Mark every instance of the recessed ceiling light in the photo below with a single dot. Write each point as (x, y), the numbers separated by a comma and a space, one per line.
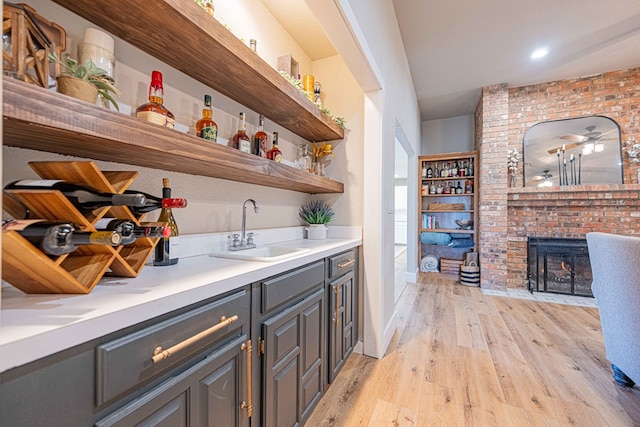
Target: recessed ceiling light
(539, 53)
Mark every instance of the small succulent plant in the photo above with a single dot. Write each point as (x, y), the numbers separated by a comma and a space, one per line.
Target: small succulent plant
(316, 212)
(89, 72)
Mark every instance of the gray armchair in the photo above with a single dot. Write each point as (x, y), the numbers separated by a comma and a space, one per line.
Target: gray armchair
(615, 264)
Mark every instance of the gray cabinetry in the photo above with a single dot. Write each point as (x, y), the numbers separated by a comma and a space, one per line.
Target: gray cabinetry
(112, 381)
(292, 328)
(342, 292)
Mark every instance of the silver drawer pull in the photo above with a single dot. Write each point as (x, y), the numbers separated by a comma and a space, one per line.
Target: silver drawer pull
(160, 354)
(347, 264)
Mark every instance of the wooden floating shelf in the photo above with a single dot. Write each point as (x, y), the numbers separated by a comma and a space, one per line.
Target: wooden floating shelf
(208, 52)
(43, 120)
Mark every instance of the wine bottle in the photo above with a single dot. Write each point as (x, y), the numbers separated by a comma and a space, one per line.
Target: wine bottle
(86, 199)
(260, 140)
(152, 203)
(166, 251)
(240, 140)
(59, 238)
(129, 230)
(206, 128)
(274, 153)
(154, 111)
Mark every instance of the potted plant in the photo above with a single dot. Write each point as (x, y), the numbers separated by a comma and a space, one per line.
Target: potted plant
(317, 214)
(84, 81)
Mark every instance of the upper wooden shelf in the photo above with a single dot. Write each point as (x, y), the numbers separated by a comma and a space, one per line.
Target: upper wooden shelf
(43, 120)
(181, 34)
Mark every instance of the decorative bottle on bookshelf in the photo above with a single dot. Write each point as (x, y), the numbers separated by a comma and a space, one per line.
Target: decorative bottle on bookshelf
(429, 172)
(424, 169)
(59, 238)
(154, 111)
(274, 153)
(240, 140)
(129, 231)
(206, 128)
(85, 199)
(260, 140)
(166, 251)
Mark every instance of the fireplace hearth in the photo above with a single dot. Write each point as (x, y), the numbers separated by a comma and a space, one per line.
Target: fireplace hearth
(559, 265)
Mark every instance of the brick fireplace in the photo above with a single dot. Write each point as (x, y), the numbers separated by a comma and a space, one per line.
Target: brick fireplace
(508, 216)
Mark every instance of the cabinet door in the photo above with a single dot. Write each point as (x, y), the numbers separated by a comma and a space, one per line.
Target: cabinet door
(341, 333)
(209, 393)
(292, 363)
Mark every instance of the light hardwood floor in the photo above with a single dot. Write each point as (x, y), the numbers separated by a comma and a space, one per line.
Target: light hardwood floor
(461, 358)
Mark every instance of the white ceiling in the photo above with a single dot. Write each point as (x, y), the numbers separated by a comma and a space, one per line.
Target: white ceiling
(456, 47)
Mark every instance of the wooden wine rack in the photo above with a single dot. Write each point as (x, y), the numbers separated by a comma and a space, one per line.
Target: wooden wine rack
(30, 270)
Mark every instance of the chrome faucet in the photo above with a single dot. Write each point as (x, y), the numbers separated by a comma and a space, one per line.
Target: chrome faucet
(244, 240)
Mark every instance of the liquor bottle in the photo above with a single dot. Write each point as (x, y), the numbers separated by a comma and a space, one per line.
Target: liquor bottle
(459, 189)
(154, 111)
(129, 230)
(468, 186)
(429, 171)
(454, 169)
(444, 173)
(85, 199)
(206, 128)
(424, 169)
(447, 188)
(166, 251)
(275, 154)
(59, 238)
(260, 140)
(470, 168)
(436, 172)
(240, 140)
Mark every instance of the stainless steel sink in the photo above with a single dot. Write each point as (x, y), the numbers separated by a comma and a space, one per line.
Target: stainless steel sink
(264, 253)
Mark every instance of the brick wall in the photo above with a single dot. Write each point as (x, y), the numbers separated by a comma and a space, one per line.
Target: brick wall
(507, 219)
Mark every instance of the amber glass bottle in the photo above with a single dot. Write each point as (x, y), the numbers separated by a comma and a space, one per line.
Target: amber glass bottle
(260, 140)
(154, 111)
(205, 127)
(275, 154)
(240, 140)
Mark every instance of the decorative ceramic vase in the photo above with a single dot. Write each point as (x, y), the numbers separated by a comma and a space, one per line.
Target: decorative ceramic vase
(78, 88)
(316, 232)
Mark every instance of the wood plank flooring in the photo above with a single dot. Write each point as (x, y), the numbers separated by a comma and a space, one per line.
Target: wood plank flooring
(461, 358)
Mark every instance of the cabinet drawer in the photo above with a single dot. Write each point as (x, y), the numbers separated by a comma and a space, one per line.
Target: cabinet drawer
(341, 263)
(289, 286)
(125, 363)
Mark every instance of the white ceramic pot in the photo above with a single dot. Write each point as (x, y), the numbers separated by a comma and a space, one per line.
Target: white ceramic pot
(316, 231)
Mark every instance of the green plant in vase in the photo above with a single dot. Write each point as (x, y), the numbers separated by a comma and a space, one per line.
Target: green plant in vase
(317, 214)
(89, 73)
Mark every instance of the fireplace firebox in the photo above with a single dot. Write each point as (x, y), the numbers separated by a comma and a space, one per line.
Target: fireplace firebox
(559, 266)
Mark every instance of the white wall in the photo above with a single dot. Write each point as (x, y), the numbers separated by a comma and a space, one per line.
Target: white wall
(374, 27)
(447, 135)
(214, 204)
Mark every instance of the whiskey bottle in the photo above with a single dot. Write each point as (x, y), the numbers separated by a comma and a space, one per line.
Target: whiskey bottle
(275, 154)
(59, 238)
(424, 169)
(429, 171)
(260, 140)
(154, 111)
(166, 250)
(206, 128)
(240, 140)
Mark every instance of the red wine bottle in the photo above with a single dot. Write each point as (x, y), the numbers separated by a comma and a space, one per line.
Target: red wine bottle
(152, 203)
(129, 230)
(84, 198)
(166, 251)
(59, 238)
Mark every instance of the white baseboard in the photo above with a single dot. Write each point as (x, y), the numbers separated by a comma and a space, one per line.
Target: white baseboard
(412, 277)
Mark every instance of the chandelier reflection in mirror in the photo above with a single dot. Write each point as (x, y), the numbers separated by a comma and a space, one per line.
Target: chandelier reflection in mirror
(579, 151)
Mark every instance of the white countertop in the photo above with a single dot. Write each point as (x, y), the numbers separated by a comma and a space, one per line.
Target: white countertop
(35, 326)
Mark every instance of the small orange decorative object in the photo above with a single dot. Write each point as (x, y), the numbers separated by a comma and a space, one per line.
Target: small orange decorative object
(28, 39)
